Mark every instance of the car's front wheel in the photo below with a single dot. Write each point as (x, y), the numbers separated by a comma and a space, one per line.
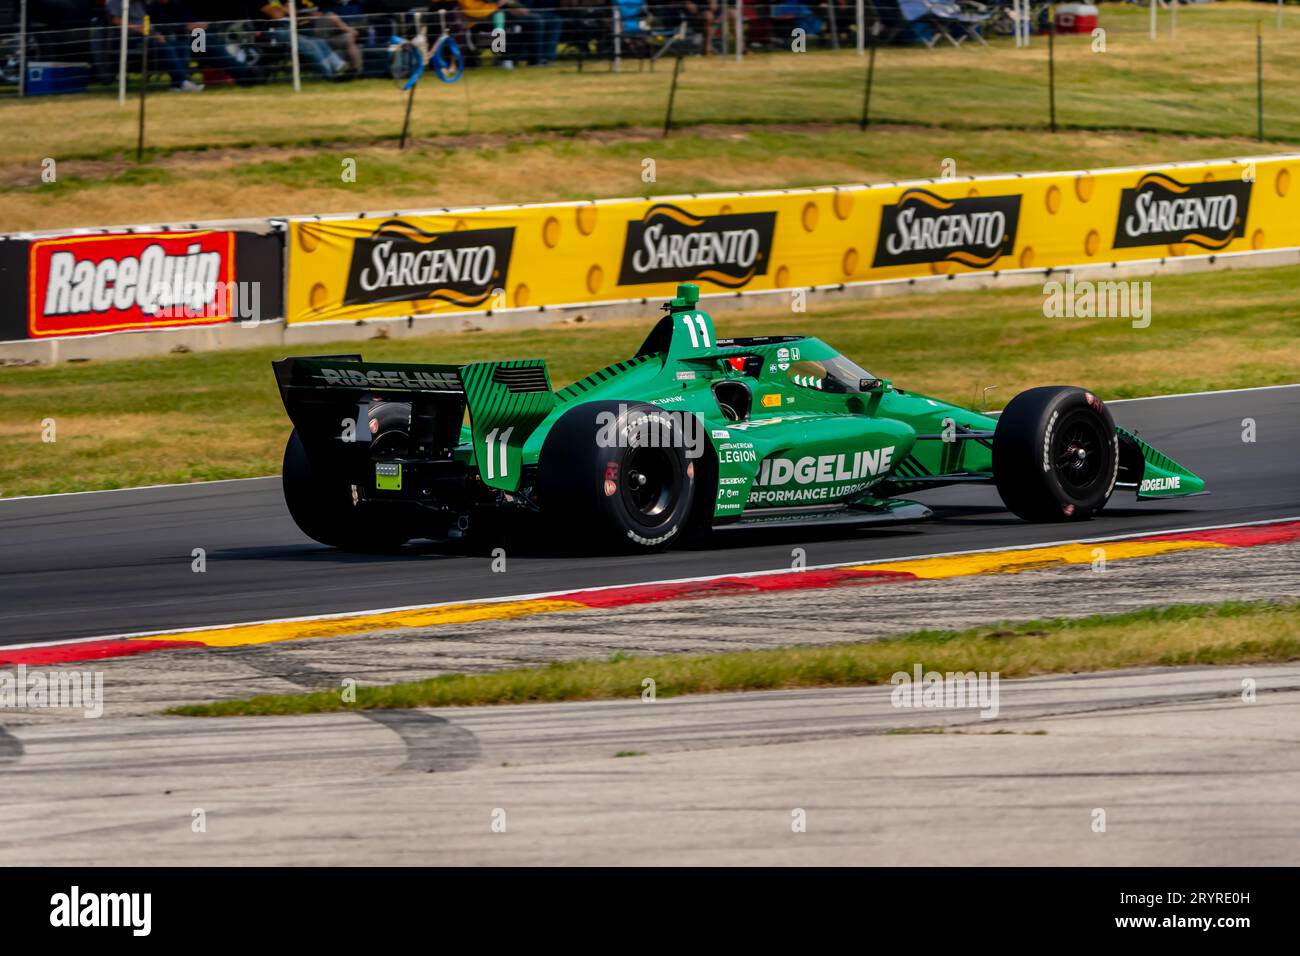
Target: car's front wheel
(617, 474)
(1055, 454)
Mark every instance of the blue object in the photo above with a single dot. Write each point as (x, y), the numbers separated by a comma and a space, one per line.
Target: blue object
(46, 78)
(445, 53)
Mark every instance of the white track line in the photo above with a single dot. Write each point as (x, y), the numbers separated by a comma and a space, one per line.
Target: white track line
(1221, 391)
(543, 595)
(219, 481)
(113, 491)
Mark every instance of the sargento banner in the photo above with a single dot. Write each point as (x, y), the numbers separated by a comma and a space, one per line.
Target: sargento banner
(117, 281)
(1160, 209)
(923, 227)
(399, 262)
(669, 244)
(525, 257)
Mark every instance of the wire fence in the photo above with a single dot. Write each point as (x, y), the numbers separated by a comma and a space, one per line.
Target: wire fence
(337, 42)
(937, 64)
(335, 46)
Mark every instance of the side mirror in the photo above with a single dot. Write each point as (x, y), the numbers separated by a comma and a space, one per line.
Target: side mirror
(873, 384)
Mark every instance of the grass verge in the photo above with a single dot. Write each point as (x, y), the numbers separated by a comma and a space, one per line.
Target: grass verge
(1229, 633)
(195, 417)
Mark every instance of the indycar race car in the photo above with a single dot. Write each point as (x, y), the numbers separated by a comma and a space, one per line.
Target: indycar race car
(691, 433)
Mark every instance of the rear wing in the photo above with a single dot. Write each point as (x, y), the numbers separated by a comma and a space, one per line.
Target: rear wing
(328, 399)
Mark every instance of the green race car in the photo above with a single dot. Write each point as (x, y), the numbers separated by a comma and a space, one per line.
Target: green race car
(691, 433)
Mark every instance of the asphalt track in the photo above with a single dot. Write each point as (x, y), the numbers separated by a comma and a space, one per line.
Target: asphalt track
(118, 562)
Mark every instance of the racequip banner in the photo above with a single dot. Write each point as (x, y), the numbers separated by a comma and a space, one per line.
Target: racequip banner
(519, 257)
(117, 281)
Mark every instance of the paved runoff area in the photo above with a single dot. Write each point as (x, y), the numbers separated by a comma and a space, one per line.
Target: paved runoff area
(1155, 767)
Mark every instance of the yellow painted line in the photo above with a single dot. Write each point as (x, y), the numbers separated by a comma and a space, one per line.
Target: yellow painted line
(998, 562)
(357, 624)
(1013, 562)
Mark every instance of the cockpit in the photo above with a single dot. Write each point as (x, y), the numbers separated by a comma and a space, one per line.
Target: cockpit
(837, 375)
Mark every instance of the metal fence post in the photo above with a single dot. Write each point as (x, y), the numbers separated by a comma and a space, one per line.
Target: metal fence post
(866, 93)
(293, 45)
(740, 30)
(121, 56)
(1051, 72)
(22, 49)
(862, 28)
(1153, 19)
(144, 81)
(1259, 84)
(672, 95)
(617, 65)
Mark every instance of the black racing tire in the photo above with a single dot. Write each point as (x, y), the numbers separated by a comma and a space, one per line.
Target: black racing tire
(323, 509)
(621, 494)
(1055, 454)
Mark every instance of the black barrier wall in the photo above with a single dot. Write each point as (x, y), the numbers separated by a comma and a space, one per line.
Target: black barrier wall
(133, 279)
(13, 289)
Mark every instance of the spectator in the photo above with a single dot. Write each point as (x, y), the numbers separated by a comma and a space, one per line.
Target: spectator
(545, 28)
(698, 15)
(60, 14)
(328, 63)
(798, 15)
(172, 56)
(327, 25)
(583, 23)
(181, 18)
(540, 28)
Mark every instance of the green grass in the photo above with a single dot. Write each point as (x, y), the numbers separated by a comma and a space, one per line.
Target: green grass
(1229, 633)
(202, 416)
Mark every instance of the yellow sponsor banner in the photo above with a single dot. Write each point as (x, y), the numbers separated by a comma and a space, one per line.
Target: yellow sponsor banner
(520, 257)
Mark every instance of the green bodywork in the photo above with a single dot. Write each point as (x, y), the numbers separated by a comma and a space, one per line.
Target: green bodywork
(807, 444)
(821, 447)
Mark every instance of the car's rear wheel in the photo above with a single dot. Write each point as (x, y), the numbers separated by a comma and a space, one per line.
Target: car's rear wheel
(600, 479)
(324, 507)
(1055, 454)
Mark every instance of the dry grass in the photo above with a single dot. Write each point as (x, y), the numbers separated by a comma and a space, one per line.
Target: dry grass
(265, 151)
(294, 181)
(1236, 633)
